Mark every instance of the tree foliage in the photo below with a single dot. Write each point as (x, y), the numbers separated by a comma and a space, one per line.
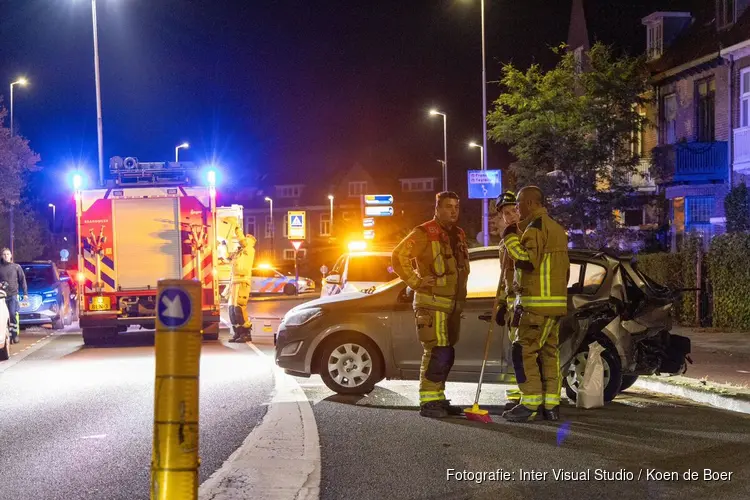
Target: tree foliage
(16, 161)
(32, 233)
(737, 209)
(577, 125)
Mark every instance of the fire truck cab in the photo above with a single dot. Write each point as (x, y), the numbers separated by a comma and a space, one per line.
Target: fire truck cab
(152, 221)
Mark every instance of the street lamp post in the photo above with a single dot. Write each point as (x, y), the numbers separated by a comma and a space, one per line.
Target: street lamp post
(184, 145)
(330, 227)
(97, 78)
(485, 202)
(22, 82)
(273, 230)
(481, 153)
(434, 112)
(54, 210)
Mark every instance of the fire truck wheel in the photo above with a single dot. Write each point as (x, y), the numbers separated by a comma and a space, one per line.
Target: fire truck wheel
(95, 336)
(210, 336)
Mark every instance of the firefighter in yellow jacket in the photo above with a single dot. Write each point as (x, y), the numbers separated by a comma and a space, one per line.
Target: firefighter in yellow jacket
(542, 267)
(239, 287)
(506, 207)
(439, 281)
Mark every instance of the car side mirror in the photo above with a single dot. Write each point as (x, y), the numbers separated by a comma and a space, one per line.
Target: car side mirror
(333, 280)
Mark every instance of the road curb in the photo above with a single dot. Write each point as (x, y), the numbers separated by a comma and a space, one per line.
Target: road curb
(280, 459)
(711, 398)
(17, 357)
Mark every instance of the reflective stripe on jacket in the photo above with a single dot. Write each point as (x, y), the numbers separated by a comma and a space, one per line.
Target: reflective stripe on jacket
(429, 245)
(542, 265)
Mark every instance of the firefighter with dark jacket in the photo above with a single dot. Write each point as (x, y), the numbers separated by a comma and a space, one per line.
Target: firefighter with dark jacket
(12, 274)
(542, 266)
(506, 207)
(441, 254)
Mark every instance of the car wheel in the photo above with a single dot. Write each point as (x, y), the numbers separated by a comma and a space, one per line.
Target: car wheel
(350, 364)
(612, 373)
(69, 317)
(627, 382)
(58, 323)
(5, 351)
(289, 289)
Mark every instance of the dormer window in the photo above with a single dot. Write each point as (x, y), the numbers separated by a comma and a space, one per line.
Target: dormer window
(655, 39)
(290, 191)
(725, 13)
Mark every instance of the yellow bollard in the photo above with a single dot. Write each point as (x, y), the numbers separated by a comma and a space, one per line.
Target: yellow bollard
(174, 460)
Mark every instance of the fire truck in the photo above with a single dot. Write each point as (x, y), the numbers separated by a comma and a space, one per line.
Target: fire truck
(152, 221)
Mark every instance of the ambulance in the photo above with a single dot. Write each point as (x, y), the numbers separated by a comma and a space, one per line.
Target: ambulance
(152, 221)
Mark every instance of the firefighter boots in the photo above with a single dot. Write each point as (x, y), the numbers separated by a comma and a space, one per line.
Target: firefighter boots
(520, 413)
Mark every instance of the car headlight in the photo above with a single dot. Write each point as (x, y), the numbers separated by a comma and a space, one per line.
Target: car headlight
(48, 295)
(297, 318)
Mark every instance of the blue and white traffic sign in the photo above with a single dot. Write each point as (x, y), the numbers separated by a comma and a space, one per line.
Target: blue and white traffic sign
(296, 221)
(64, 254)
(378, 211)
(485, 184)
(174, 307)
(296, 225)
(379, 199)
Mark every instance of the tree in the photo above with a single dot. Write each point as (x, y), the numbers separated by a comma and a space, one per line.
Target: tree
(16, 161)
(32, 233)
(572, 132)
(737, 209)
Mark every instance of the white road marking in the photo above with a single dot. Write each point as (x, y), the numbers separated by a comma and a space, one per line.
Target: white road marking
(96, 436)
(280, 459)
(16, 357)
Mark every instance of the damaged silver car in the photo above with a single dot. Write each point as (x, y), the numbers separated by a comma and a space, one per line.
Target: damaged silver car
(355, 340)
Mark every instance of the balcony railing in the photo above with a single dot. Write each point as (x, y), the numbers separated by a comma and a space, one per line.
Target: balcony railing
(701, 162)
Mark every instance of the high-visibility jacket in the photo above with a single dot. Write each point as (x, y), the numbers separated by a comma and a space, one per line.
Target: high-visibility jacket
(430, 246)
(542, 265)
(243, 260)
(505, 289)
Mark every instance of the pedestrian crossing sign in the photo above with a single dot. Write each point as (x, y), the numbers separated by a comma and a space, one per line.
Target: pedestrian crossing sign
(296, 225)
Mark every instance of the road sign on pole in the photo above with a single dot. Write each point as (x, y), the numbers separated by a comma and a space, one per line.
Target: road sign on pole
(296, 244)
(368, 222)
(64, 254)
(378, 211)
(296, 225)
(485, 184)
(369, 234)
(379, 199)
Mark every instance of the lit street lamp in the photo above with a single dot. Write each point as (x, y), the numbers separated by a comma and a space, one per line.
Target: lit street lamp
(435, 112)
(22, 82)
(184, 145)
(481, 153)
(97, 82)
(330, 227)
(273, 232)
(485, 202)
(54, 210)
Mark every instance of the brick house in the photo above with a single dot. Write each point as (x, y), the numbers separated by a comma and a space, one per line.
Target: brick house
(328, 238)
(698, 61)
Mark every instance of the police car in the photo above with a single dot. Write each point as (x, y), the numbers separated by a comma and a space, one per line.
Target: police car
(267, 280)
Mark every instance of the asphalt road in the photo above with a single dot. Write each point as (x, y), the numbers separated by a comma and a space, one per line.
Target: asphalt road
(76, 422)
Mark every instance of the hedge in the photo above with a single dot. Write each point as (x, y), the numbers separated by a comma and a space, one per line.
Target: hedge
(729, 274)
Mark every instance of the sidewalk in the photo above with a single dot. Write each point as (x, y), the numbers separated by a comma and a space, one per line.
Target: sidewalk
(720, 373)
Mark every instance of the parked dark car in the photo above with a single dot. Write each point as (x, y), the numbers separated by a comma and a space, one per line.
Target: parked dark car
(355, 340)
(49, 296)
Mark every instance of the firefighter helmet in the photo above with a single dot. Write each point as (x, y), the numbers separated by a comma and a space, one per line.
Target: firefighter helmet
(507, 198)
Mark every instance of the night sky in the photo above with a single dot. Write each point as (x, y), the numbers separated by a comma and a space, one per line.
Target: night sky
(262, 86)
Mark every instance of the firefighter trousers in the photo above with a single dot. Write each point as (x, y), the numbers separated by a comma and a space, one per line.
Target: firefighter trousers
(239, 294)
(438, 332)
(536, 360)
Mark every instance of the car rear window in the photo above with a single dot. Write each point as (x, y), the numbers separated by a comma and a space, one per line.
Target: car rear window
(370, 269)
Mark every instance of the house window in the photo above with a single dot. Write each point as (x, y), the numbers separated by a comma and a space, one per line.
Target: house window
(357, 188)
(578, 58)
(654, 40)
(699, 209)
(288, 191)
(725, 13)
(269, 227)
(745, 98)
(417, 185)
(289, 254)
(325, 224)
(285, 227)
(706, 90)
(669, 119)
(639, 134)
(250, 229)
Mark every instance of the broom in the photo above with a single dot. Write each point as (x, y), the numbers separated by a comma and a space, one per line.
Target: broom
(476, 413)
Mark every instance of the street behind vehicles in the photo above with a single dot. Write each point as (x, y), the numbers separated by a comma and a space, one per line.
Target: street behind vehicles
(154, 221)
(268, 280)
(355, 340)
(356, 271)
(49, 296)
(4, 325)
